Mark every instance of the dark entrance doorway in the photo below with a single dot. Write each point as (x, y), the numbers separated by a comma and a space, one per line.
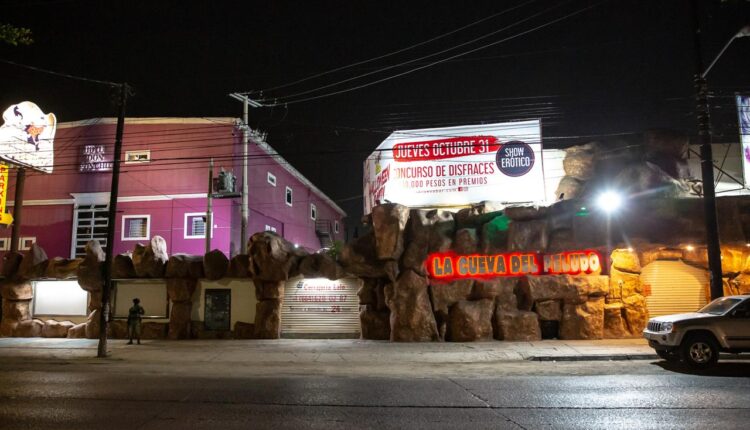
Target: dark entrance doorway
(218, 309)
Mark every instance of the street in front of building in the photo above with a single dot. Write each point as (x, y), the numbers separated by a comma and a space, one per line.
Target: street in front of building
(289, 383)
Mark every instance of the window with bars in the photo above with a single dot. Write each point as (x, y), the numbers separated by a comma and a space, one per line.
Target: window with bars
(195, 225)
(91, 223)
(288, 196)
(135, 227)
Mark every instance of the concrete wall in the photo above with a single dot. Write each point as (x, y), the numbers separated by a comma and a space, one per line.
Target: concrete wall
(243, 299)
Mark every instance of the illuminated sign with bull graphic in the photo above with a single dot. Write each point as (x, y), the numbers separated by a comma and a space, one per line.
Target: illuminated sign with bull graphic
(26, 136)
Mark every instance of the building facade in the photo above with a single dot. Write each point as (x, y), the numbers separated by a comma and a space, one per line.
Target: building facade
(163, 190)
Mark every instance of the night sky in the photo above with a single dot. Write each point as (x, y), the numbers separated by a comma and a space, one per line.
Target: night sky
(620, 66)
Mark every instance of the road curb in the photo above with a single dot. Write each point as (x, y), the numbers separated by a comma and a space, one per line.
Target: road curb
(610, 357)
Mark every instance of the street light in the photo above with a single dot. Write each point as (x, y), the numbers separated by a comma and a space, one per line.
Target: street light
(609, 201)
(707, 172)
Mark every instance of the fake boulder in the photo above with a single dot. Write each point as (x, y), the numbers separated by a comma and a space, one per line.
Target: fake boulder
(583, 320)
(411, 317)
(470, 321)
(272, 258)
(516, 326)
(150, 261)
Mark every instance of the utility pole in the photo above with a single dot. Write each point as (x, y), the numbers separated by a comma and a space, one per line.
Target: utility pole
(17, 210)
(707, 165)
(246, 101)
(111, 222)
(209, 206)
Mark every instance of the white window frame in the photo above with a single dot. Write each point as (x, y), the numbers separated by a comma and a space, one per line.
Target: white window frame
(22, 240)
(336, 226)
(313, 212)
(136, 152)
(4, 244)
(271, 178)
(148, 227)
(186, 226)
(290, 192)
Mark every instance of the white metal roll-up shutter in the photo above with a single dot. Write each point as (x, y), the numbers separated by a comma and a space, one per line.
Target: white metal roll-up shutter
(675, 287)
(320, 306)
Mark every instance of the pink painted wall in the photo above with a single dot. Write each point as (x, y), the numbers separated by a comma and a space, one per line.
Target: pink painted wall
(178, 165)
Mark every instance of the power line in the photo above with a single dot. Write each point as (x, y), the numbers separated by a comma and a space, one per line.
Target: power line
(348, 66)
(63, 75)
(425, 56)
(443, 60)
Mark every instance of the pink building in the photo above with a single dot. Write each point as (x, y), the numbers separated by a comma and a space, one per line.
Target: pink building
(163, 190)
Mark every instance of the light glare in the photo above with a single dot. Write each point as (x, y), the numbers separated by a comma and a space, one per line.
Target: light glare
(609, 201)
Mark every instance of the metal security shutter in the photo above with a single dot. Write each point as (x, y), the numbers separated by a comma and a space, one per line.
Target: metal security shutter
(320, 306)
(675, 287)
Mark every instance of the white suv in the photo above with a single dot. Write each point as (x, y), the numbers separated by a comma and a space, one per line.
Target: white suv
(697, 338)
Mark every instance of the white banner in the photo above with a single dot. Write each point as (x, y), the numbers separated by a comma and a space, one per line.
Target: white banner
(26, 136)
(456, 166)
(743, 109)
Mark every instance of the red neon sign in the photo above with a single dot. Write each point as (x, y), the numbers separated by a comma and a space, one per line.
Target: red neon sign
(449, 266)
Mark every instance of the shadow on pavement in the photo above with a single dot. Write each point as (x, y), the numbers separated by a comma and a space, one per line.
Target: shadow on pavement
(731, 369)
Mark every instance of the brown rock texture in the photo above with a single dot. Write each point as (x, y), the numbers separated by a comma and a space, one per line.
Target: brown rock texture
(569, 188)
(528, 235)
(272, 258)
(742, 283)
(560, 287)
(154, 330)
(118, 329)
(29, 328)
(358, 258)
(243, 330)
(625, 261)
(181, 289)
(516, 326)
(239, 266)
(184, 266)
(388, 225)
(320, 265)
(584, 320)
(268, 319)
(215, 264)
(11, 289)
(11, 265)
(18, 310)
(525, 213)
(78, 331)
(470, 321)
(549, 310)
(34, 263)
(636, 313)
(92, 327)
(54, 328)
(412, 319)
(614, 323)
(179, 320)
(466, 241)
(444, 295)
(62, 268)
(426, 232)
(375, 325)
(579, 161)
(269, 290)
(7, 326)
(89, 271)
(150, 261)
(122, 266)
(624, 284)
(494, 288)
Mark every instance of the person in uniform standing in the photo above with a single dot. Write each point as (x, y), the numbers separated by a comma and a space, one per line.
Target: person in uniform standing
(134, 321)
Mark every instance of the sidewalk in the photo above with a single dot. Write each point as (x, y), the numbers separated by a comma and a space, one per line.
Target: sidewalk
(346, 350)
(339, 357)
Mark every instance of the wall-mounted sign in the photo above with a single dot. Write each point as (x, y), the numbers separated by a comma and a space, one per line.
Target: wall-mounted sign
(449, 266)
(4, 217)
(455, 166)
(95, 158)
(743, 109)
(26, 136)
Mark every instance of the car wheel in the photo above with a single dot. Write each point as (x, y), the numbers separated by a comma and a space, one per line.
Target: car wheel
(699, 351)
(670, 356)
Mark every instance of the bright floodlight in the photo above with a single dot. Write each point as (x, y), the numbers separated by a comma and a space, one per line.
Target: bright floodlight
(609, 201)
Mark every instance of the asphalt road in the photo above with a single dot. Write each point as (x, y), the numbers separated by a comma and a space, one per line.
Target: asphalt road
(39, 394)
